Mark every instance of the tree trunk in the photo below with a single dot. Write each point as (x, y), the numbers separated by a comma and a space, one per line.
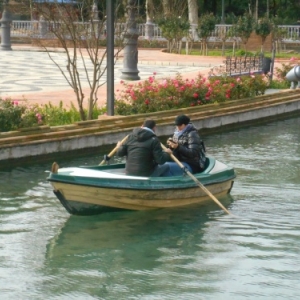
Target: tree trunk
(149, 10)
(256, 10)
(166, 7)
(233, 48)
(193, 17)
(223, 47)
(193, 11)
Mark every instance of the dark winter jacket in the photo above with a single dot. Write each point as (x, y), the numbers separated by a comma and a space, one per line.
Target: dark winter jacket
(143, 152)
(190, 148)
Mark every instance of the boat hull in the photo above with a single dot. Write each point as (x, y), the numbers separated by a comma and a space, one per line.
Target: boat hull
(84, 191)
(85, 200)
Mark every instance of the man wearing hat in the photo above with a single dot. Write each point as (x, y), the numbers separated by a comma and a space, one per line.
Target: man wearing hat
(187, 146)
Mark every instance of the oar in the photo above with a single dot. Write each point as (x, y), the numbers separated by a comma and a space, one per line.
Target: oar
(111, 154)
(197, 181)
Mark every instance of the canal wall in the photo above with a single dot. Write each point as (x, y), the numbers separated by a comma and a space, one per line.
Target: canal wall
(38, 143)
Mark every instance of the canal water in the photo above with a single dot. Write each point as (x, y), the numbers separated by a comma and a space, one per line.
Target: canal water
(184, 253)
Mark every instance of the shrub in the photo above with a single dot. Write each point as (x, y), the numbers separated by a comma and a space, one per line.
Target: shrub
(173, 28)
(58, 115)
(151, 43)
(153, 95)
(244, 86)
(31, 117)
(14, 115)
(10, 114)
(242, 52)
(244, 27)
(263, 28)
(206, 25)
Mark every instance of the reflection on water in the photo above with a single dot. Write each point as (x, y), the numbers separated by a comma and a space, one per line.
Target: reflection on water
(185, 253)
(128, 249)
(113, 231)
(118, 232)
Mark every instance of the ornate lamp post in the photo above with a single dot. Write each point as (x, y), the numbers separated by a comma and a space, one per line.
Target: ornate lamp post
(130, 71)
(5, 27)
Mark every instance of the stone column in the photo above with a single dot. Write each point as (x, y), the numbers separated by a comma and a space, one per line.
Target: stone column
(149, 26)
(95, 20)
(130, 71)
(149, 30)
(43, 30)
(5, 28)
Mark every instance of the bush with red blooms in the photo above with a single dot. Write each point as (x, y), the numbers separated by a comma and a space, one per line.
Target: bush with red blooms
(171, 93)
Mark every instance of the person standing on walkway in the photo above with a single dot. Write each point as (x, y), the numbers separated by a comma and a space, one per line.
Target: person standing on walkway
(143, 151)
(187, 146)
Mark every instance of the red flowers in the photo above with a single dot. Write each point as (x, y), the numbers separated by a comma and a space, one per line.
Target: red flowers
(170, 93)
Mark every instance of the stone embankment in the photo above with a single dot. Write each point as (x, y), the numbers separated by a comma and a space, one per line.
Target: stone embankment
(44, 142)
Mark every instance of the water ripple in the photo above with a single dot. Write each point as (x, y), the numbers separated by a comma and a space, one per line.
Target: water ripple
(184, 253)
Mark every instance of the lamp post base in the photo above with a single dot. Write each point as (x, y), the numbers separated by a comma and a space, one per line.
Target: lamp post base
(130, 75)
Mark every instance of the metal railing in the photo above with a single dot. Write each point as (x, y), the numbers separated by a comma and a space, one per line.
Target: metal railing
(244, 65)
(289, 34)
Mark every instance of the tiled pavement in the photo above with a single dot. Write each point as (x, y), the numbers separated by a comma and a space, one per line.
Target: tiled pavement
(28, 73)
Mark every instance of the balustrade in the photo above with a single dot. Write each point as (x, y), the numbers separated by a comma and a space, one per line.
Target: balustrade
(289, 34)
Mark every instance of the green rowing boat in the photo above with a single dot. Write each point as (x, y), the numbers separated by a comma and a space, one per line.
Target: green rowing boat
(89, 190)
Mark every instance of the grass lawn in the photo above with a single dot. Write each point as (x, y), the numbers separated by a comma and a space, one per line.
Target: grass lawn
(229, 52)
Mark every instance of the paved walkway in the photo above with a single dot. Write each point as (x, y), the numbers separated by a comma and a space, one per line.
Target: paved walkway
(28, 73)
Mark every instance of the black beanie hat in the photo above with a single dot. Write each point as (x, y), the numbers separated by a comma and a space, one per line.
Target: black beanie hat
(182, 119)
(149, 124)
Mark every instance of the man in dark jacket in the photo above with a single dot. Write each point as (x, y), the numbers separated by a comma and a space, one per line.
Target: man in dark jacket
(187, 146)
(144, 153)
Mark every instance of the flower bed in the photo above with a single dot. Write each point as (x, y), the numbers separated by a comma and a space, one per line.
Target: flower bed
(155, 95)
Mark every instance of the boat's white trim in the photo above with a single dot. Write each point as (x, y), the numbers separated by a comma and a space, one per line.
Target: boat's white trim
(96, 174)
(120, 173)
(218, 167)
